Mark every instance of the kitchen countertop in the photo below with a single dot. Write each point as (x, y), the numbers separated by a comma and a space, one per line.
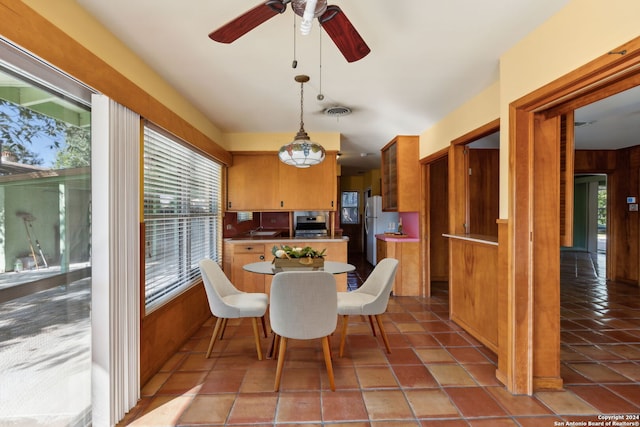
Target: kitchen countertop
(270, 239)
(396, 238)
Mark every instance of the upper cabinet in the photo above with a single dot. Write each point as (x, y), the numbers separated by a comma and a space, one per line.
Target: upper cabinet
(401, 175)
(313, 188)
(260, 182)
(252, 181)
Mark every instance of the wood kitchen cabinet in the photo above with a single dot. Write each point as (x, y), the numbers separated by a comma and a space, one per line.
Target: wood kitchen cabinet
(237, 255)
(407, 281)
(312, 188)
(260, 181)
(401, 175)
(252, 182)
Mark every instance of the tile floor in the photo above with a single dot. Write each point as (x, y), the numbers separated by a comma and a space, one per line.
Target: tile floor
(436, 375)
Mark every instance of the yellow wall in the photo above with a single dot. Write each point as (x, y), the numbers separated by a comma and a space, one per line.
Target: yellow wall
(273, 141)
(579, 33)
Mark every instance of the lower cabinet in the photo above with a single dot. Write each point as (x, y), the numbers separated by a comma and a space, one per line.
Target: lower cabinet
(407, 282)
(237, 255)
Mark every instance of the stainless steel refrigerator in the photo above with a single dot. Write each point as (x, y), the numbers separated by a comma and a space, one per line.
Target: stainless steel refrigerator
(376, 222)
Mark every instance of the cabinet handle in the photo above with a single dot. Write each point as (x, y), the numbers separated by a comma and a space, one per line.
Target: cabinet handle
(281, 204)
(249, 248)
(332, 203)
(229, 205)
(261, 257)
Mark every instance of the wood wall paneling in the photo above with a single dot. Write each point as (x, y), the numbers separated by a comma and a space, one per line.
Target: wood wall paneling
(166, 329)
(473, 295)
(483, 191)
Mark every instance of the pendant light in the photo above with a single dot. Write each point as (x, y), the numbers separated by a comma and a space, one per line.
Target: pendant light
(301, 152)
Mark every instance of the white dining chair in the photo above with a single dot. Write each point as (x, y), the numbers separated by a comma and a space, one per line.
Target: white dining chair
(370, 299)
(228, 302)
(303, 306)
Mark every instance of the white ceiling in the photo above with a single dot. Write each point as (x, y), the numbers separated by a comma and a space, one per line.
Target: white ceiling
(427, 58)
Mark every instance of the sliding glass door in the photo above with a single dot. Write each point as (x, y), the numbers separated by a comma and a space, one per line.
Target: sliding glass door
(45, 247)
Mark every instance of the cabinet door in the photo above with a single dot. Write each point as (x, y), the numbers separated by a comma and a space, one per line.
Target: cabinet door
(390, 177)
(312, 188)
(253, 182)
(401, 175)
(245, 280)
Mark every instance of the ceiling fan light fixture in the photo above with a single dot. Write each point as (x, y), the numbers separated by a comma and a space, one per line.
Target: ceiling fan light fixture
(301, 152)
(308, 10)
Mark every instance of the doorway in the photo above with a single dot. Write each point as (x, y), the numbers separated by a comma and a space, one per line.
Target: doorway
(531, 362)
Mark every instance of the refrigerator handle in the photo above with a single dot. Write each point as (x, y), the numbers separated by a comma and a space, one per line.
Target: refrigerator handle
(366, 218)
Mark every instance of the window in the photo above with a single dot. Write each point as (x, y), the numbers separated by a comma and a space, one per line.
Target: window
(182, 215)
(245, 216)
(349, 208)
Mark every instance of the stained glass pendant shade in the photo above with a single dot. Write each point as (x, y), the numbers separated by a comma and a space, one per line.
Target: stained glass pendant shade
(302, 152)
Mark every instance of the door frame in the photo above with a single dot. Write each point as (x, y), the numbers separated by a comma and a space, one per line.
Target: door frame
(530, 362)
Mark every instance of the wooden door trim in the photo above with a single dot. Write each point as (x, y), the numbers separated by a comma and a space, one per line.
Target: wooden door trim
(425, 218)
(597, 78)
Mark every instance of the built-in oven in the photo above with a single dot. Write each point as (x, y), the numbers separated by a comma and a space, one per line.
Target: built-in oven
(310, 226)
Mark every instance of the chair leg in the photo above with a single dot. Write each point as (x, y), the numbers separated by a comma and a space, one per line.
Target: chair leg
(343, 338)
(327, 361)
(371, 324)
(276, 345)
(216, 330)
(283, 348)
(256, 335)
(264, 327)
(383, 333)
(223, 328)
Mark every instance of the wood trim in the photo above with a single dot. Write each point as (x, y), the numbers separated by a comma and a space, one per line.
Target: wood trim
(425, 228)
(520, 289)
(505, 368)
(567, 162)
(546, 248)
(31, 31)
(435, 156)
(458, 189)
(484, 130)
(582, 84)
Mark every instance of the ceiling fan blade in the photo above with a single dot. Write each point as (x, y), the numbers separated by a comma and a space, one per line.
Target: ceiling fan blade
(246, 22)
(343, 34)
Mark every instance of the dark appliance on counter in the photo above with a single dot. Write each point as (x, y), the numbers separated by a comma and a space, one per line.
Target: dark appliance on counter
(311, 226)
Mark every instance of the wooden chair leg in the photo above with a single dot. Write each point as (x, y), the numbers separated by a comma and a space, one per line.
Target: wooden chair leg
(327, 361)
(283, 348)
(256, 336)
(216, 330)
(383, 333)
(224, 328)
(264, 327)
(276, 345)
(371, 324)
(343, 338)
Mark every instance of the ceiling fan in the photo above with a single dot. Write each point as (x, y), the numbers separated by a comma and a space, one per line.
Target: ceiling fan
(331, 19)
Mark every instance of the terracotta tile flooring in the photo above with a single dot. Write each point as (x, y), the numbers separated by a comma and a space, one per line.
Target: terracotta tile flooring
(436, 375)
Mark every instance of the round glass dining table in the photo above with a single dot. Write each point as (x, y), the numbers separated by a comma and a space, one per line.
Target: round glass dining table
(267, 267)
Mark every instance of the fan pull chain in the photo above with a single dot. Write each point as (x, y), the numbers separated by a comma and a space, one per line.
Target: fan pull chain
(320, 96)
(294, 64)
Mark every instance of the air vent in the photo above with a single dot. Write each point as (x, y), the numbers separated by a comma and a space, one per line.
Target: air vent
(337, 111)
